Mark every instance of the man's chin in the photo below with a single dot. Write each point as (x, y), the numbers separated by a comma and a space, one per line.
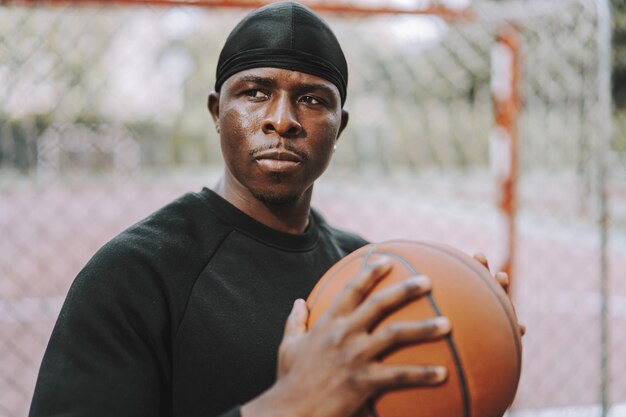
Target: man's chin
(280, 190)
(276, 199)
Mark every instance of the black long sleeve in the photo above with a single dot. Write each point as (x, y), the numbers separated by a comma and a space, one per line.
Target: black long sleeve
(181, 314)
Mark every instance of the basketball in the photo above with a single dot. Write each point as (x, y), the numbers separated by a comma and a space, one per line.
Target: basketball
(483, 351)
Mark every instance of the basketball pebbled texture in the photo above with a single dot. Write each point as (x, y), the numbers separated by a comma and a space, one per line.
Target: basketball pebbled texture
(482, 352)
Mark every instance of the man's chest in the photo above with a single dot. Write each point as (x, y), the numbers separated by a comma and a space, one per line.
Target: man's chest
(225, 350)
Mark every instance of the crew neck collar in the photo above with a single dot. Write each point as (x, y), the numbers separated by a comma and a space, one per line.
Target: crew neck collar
(230, 214)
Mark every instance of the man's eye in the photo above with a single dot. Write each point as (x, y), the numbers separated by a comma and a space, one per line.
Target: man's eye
(254, 93)
(309, 100)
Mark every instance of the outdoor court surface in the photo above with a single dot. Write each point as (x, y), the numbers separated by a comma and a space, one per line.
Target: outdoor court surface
(50, 230)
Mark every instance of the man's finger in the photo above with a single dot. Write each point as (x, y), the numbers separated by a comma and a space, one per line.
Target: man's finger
(501, 277)
(503, 280)
(296, 322)
(403, 333)
(379, 376)
(482, 258)
(360, 286)
(370, 312)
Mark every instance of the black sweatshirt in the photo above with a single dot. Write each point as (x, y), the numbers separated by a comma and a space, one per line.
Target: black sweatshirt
(181, 314)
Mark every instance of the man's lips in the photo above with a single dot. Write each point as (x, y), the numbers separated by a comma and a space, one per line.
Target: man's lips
(278, 155)
(277, 160)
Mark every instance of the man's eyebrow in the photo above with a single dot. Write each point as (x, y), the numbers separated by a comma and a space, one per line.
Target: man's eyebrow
(307, 87)
(255, 79)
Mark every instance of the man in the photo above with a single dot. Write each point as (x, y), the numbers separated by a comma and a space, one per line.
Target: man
(184, 313)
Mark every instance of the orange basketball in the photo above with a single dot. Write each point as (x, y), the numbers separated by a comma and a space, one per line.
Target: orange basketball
(482, 352)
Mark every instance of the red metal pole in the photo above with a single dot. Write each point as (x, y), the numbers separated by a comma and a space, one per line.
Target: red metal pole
(506, 100)
(332, 7)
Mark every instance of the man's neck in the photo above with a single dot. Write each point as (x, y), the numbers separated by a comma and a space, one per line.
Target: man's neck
(292, 217)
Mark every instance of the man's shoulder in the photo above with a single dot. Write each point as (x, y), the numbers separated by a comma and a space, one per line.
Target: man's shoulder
(185, 223)
(160, 256)
(171, 245)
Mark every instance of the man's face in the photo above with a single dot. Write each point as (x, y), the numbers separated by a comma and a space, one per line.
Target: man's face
(277, 130)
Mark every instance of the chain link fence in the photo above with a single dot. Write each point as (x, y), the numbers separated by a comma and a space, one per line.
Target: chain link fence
(103, 119)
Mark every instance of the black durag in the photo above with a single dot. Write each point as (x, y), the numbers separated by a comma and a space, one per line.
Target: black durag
(284, 35)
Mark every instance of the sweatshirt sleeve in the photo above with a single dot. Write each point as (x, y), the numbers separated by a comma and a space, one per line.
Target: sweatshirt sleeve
(109, 353)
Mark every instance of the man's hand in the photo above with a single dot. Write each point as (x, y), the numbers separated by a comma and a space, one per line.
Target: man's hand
(332, 370)
(503, 280)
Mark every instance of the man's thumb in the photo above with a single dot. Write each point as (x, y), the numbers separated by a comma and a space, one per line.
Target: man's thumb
(296, 322)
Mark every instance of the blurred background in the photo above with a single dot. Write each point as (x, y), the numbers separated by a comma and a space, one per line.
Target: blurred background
(493, 126)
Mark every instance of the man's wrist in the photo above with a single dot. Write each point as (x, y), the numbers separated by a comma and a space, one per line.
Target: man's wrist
(277, 401)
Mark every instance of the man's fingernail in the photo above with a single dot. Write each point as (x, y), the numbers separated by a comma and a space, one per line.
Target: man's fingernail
(382, 262)
(443, 324)
(383, 259)
(419, 282)
(440, 373)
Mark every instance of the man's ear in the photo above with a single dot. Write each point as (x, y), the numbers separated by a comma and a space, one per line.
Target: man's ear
(213, 104)
(344, 121)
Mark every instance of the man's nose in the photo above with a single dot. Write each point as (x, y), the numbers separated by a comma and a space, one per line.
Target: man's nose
(281, 117)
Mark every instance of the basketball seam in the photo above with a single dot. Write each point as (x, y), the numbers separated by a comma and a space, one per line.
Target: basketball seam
(512, 325)
(451, 345)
